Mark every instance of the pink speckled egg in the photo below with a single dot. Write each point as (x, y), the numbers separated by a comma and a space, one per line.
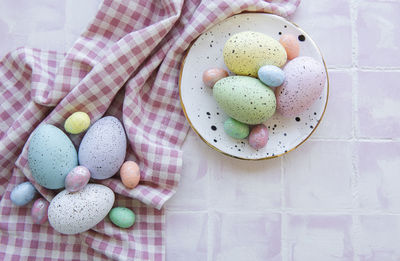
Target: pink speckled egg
(130, 174)
(291, 45)
(39, 211)
(258, 137)
(305, 80)
(211, 76)
(77, 179)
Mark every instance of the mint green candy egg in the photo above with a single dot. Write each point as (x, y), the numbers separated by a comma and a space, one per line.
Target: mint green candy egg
(236, 129)
(122, 217)
(246, 99)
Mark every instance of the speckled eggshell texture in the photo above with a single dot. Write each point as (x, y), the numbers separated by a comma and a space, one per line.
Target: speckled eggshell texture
(245, 52)
(51, 156)
(73, 213)
(103, 148)
(305, 80)
(245, 99)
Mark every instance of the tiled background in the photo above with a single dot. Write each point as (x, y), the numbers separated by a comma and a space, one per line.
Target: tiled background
(337, 197)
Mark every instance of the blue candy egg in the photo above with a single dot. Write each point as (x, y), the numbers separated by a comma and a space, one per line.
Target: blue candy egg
(23, 193)
(271, 75)
(51, 156)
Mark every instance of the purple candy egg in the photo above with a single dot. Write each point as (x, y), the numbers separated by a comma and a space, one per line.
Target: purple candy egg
(258, 137)
(305, 80)
(77, 179)
(39, 211)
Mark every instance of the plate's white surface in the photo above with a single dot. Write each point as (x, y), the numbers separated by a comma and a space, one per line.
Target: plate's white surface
(202, 111)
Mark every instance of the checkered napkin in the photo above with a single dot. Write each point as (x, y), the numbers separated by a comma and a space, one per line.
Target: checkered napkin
(125, 64)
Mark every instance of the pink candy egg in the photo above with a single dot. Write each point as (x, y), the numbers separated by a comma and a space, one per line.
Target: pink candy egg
(39, 211)
(258, 137)
(305, 80)
(130, 174)
(211, 76)
(77, 179)
(291, 45)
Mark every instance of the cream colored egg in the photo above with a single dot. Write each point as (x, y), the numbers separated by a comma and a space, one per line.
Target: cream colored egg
(76, 123)
(245, 52)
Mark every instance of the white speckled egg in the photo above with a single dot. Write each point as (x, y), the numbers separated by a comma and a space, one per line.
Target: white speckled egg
(73, 213)
(246, 99)
(305, 80)
(245, 52)
(51, 156)
(103, 148)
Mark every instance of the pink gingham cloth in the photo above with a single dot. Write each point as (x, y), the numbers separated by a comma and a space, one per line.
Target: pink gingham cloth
(125, 64)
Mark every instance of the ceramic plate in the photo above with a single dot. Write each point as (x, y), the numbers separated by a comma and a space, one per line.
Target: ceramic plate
(202, 111)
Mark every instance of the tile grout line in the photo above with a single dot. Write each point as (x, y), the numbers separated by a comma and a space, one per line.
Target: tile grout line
(209, 221)
(354, 231)
(284, 243)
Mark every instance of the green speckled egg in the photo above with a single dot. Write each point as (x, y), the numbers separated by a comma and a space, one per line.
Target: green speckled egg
(245, 52)
(236, 129)
(245, 99)
(122, 217)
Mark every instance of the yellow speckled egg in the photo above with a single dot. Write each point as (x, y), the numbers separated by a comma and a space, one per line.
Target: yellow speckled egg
(130, 174)
(77, 122)
(245, 52)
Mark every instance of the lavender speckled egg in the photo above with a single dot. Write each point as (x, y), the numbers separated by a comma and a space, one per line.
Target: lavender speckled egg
(77, 179)
(39, 211)
(73, 213)
(103, 148)
(211, 76)
(258, 137)
(305, 80)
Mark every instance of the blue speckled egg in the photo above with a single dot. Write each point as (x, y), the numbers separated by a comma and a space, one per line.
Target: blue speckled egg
(51, 156)
(23, 193)
(271, 75)
(103, 148)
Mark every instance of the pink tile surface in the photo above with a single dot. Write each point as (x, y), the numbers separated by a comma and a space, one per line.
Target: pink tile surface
(310, 184)
(378, 25)
(379, 168)
(378, 105)
(241, 236)
(335, 198)
(319, 238)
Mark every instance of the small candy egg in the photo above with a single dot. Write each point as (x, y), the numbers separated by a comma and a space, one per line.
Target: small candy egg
(130, 174)
(236, 129)
(77, 179)
(39, 211)
(122, 217)
(211, 76)
(76, 123)
(291, 45)
(258, 137)
(271, 75)
(23, 194)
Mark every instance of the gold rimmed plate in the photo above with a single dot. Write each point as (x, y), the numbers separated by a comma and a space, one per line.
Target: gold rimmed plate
(202, 111)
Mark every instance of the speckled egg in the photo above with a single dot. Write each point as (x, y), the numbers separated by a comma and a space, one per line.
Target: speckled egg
(73, 213)
(271, 75)
(245, 52)
(130, 174)
(258, 137)
(77, 179)
(211, 76)
(76, 123)
(245, 99)
(291, 45)
(122, 217)
(236, 129)
(51, 156)
(305, 80)
(23, 193)
(39, 211)
(103, 148)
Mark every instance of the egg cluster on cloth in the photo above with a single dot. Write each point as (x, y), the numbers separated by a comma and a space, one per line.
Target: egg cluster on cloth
(55, 164)
(269, 76)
